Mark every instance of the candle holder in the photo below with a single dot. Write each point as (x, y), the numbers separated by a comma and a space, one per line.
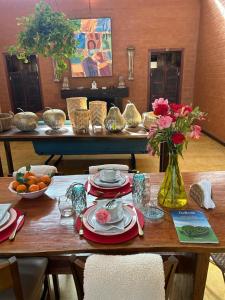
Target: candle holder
(130, 53)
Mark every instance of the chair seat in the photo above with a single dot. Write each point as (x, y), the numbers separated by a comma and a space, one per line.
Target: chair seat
(32, 272)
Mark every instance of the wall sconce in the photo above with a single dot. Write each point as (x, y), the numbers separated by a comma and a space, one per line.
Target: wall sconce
(130, 53)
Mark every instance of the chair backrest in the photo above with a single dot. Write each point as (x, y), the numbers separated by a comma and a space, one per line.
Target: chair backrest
(77, 264)
(10, 278)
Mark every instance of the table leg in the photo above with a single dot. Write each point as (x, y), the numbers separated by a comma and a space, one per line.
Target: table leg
(133, 161)
(1, 169)
(200, 276)
(9, 157)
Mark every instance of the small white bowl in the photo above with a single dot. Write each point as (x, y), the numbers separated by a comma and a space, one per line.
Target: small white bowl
(29, 195)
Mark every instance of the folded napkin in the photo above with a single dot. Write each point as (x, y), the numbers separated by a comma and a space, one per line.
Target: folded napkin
(125, 277)
(3, 210)
(38, 170)
(96, 169)
(201, 192)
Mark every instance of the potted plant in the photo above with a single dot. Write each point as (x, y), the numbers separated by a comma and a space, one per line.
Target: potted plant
(48, 33)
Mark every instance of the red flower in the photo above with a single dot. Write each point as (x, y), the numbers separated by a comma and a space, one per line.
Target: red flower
(176, 108)
(161, 110)
(178, 138)
(160, 107)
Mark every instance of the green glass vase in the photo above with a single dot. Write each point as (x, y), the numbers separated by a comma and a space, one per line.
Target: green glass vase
(172, 192)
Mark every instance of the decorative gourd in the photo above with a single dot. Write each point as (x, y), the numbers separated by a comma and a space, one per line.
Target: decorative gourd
(131, 115)
(25, 120)
(54, 118)
(114, 121)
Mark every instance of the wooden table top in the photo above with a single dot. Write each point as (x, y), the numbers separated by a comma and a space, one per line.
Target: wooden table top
(43, 232)
(43, 132)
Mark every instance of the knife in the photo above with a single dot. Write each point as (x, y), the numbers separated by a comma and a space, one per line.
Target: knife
(140, 230)
(88, 185)
(18, 222)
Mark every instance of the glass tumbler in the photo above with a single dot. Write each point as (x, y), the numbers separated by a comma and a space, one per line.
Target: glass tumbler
(138, 189)
(76, 192)
(65, 206)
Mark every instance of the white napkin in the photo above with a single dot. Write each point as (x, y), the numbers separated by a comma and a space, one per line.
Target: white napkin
(96, 169)
(109, 227)
(207, 190)
(38, 170)
(3, 209)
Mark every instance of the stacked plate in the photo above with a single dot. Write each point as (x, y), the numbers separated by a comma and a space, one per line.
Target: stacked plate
(116, 227)
(8, 219)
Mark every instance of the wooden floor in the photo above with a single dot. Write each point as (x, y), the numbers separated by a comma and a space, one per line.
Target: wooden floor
(202, 155)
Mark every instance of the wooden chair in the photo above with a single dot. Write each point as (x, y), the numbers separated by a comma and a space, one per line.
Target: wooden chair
(23, 279)
(77, 264)
(219, 261)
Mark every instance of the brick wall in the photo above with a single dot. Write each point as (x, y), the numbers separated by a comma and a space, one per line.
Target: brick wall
(210, 68)
(145, 24)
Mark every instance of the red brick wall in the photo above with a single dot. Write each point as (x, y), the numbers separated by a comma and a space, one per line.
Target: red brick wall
(210, 68)
(145, 24)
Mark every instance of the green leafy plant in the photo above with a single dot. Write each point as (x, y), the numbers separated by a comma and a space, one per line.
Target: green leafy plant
(48, 33)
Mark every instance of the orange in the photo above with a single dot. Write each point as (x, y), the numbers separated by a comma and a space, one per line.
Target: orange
(15, 184)
(33, 188)
(42, 185)
(27, 174)
(21, 188)
(46, 179)
(31, 180)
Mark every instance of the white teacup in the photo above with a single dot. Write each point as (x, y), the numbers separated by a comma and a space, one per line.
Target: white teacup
(109, 175)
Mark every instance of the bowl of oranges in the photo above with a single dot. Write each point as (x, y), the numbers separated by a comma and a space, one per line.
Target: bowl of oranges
(30, 186)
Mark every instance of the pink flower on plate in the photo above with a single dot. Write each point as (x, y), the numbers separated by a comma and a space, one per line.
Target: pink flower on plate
(196, 132)
(102, 216)
(164, 122)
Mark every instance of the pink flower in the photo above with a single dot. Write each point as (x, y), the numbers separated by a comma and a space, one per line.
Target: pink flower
(160, 107)
(102, 216)
(196, 132)
(152, 130)
(150, 150)
(178, 138)
(164, 122)
(186, 110)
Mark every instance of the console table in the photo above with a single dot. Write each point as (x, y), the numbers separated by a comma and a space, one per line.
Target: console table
(129, 141)
(110, 95)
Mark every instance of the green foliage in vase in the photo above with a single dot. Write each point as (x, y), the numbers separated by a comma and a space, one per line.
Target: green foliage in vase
(48, 33)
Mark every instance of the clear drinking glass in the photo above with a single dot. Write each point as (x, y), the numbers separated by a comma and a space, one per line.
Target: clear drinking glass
(65, 206)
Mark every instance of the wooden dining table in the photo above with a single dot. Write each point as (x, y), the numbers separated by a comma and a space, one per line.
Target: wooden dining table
(44, 233)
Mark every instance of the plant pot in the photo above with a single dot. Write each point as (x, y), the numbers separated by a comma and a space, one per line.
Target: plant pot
(172, 192)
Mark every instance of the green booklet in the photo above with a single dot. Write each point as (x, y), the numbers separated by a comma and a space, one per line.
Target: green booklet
(192, 226)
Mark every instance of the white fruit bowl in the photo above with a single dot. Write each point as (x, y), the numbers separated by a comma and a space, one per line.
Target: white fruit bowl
(29, 195)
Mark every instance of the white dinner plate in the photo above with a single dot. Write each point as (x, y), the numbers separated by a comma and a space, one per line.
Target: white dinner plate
(96, 182)
(13, 216)
(129, 219)
(5, 219)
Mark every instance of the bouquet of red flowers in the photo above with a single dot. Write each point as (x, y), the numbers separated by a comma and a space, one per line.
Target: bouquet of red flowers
(174, 124)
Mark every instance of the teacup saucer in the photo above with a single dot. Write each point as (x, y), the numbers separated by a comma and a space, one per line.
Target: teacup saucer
(126, 217)
(98, 182)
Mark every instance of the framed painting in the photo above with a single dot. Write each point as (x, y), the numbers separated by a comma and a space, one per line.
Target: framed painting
(94, 48)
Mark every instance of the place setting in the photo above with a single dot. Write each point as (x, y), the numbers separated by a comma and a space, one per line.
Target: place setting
(110, 221)
(11, 220)
(108, 182)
